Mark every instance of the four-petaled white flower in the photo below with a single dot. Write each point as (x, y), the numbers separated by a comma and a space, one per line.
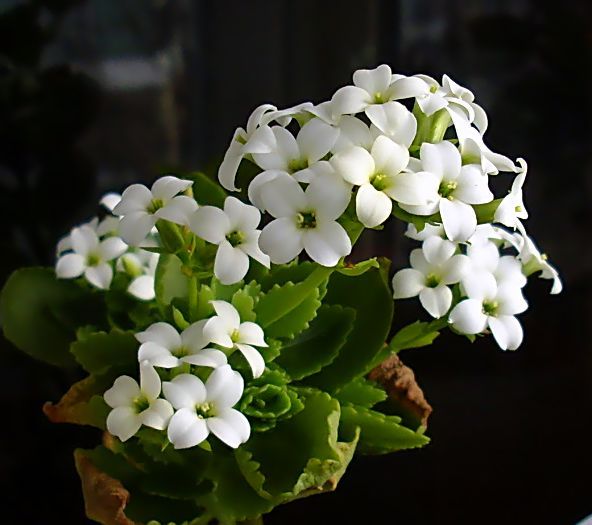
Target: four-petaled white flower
(141, 266)
(306, 219)
(490, 304)
(141, 207)
(380, 175)
(484, 255)
(134, 406)
(452, 189)
(202, 409)
(90, 257)
(433, 267)
(234, 230)
(162, 346)
(512, 208)
(226, 330)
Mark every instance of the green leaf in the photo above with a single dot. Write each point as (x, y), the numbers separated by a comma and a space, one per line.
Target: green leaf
(359, 268)
(361, 392)
(416, 335)
(170, 282)
(379, 433)
(99, 352)
(294, 272)
(207, 191)
(369, 295)
(285, 300)
(244, 303)
(319, 345)
(224, 292)
(204, 308)
(40, 313)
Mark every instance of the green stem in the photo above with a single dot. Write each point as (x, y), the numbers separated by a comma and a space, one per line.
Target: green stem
(193, 298)
(430, 129)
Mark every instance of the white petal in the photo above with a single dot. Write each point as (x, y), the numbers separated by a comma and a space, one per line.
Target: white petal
(123, 422)
(327, 243)
(472, 186)
(283, 197)
(70, 265)
(254, 358)
(167, 187)
(373, 207)
(419, 262)
(257, 184)
(122, 393)
(162, 333)
(241, 216)
(459, 219)
(315, 139)
(353, 132)
(419, 189)
(484, 256)
(408, 87)
(251, 334)
(329, 196)
(509, 270)
(230, 163)
(149, 380)
(224, 387)
(179, 210)
(230, 427)
(251, 247)
(443, 159)
(389, 157)
(507, 331)
(136, 197)
(431, 103)
(210, 223)
(135, 227)
(193, 337)
(437, 250)
(394, 120)
(184, 391)
(437, 300)
(510, 298)
(455, 269)
(228, 313)
(157, 355)
(285, 151)
(355, 165)
(142, 288)
(217, 331)
(349, 100)
(100, 275)
(111, 248)
(468, 317)
(110, 200)
(157, 415)
(209, 357)
(281, 240)
(84, 240)
(231, 264)
(427, 231)
(480, 285)
(262, 140)
(375, 80)
(186, 430)
(408, 283)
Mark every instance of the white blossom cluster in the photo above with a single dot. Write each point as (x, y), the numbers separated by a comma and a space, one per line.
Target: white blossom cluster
(191, 408)
(388, 144)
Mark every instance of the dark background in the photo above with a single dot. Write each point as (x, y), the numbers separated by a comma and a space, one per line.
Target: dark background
(97, 94)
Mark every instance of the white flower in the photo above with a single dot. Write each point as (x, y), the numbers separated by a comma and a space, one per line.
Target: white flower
(453, 188)
(226, 330)
(235, 232)
(134, 406)
(110, 200)
(202, 409)
(162, 346)
(90, 257)
(141, 207)
(433, 267)
(306, 219)
(490, 304)
(512, 208)
(485, 255)
(429, 230)
(534, 261)
(373, 87)
(107, 227)
(380, 175)
(141, 266)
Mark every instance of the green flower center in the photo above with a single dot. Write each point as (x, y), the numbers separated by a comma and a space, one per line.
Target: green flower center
(490, 308)
(433, 89)
(93, 259)
(447, 188)
(380, 98)
(306, 220)
(432, 280)
(379, 181)
(140, 404)
(297, 164)
(181, 351)
(205, 410)
(235, 238)
(155, 205)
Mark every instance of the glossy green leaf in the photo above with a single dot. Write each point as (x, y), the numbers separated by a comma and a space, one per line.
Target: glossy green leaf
(319, 345)
(359, 268)
(170, 281)
(244, 303)
(416, 335)
(361, 392)
(206, 191)
(40, 313)
(101, 351)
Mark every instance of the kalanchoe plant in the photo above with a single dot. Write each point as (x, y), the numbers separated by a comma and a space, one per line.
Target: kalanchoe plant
(229, 371)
